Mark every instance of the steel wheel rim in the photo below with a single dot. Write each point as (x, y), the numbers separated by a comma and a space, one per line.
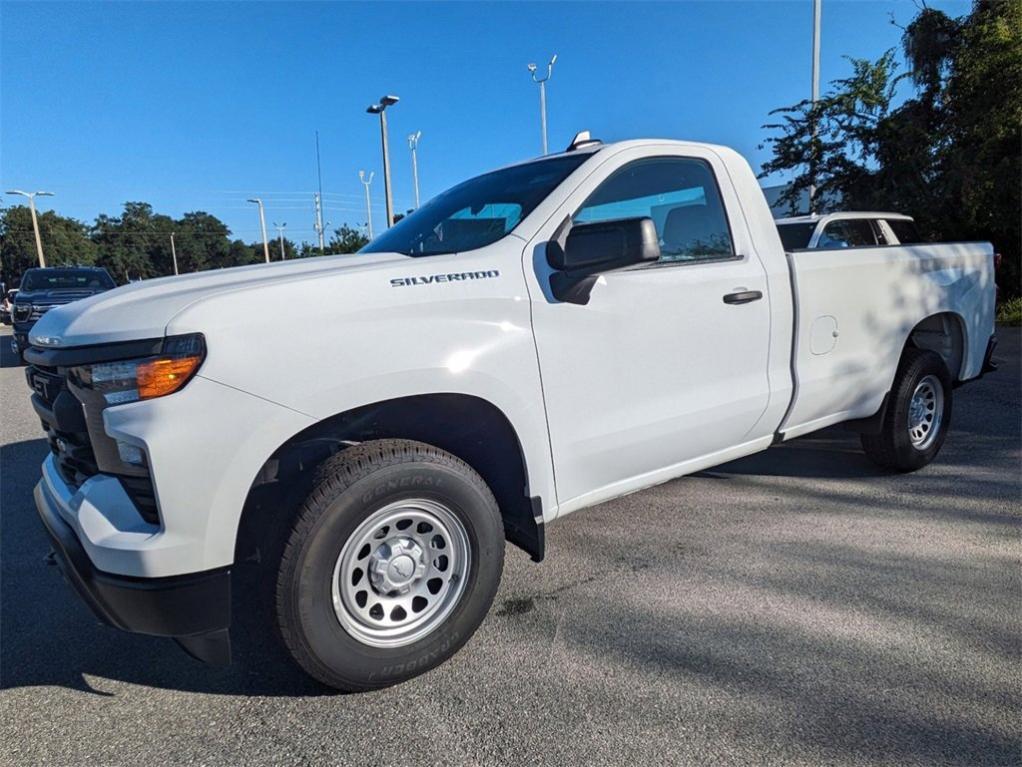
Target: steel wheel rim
(925, 412)
(401, 573)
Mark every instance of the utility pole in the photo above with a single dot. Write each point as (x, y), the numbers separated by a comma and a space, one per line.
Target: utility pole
(318, 226)
(381, 110)
(280, 234)
(262, 224)
(319, 199)
(817, 13)
(366, 181)
(542, 95)
(173, 252)
(413, 144)
(35, 221)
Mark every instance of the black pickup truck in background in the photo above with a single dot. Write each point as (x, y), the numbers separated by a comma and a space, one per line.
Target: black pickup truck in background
(42, 289)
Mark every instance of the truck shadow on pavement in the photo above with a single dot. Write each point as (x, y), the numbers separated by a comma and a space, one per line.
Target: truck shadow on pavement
(833, 453)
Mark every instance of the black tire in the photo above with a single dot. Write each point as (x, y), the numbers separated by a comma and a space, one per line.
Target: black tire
(893, 447)
(348, 489)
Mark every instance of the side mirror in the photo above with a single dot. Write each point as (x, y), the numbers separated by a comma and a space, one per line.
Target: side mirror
(589, 250)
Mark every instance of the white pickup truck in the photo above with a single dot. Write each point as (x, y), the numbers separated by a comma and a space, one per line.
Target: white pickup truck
(531, 342)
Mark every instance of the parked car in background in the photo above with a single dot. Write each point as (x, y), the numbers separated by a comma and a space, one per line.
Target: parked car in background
(847, 230)
(43, 289)
(6, 305)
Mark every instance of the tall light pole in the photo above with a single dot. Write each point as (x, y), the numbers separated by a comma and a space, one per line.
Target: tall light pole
(542, 94)
(173, 252)
(413, 144)
(319, 200)
(280, 234)
(318, 224)
(366, 181)
(35, 221)
(381, 110)
(262, 223)
(817, 12)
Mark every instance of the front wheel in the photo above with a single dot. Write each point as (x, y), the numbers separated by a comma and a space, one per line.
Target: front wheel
(393, 563)
(918, 414)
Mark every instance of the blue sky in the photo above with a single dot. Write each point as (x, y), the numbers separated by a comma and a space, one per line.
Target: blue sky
(197, 106)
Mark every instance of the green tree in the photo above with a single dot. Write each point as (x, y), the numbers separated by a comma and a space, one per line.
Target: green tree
(983, 157)
(202, 242)
(949, 155)
(127, 243)
(65, 242)
(347, 239)
(136, 244)
(835, 141)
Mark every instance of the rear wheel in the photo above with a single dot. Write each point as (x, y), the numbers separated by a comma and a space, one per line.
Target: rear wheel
(392, 564)
(918, 414)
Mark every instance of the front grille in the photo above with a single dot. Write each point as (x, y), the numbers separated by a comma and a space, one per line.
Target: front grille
(70, 430)
(32, 312)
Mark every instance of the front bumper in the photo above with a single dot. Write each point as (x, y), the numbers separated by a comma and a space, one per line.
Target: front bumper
(193, 609)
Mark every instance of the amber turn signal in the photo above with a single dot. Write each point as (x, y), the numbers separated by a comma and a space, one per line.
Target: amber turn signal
(158, 377)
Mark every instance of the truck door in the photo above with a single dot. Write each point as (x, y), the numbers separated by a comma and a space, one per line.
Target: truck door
(667, 363)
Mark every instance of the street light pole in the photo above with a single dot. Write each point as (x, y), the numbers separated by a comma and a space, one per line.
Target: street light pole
(366, 181)
(381, 110)
(319, 200)
(280, 234)
(817, 13)
(542, 95)
(35, 221)
(173, 252)
(413, 144)
(318, 225)
(262, 224)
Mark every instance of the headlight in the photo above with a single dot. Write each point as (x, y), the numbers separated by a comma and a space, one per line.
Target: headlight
(22, 312)
(146, 377)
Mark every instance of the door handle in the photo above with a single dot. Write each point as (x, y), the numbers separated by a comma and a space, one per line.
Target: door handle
(743, 297)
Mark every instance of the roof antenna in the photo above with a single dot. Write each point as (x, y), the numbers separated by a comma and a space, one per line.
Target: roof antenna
(582, 139)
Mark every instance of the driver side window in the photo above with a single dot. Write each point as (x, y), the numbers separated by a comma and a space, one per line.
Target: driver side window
(681, 196)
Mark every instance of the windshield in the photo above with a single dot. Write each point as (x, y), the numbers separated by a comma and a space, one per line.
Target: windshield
(795, 236)
(66, 279)
(477, 212)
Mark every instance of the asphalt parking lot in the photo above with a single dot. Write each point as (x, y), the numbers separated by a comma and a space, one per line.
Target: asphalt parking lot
(795, 607)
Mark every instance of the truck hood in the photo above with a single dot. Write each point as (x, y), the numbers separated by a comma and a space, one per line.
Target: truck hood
(143, 309)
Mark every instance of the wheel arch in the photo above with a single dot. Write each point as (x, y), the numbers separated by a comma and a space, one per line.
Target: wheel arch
(942, 332)
(469, 427)
(946, 334)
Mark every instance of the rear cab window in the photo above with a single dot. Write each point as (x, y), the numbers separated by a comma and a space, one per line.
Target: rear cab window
(796, 236)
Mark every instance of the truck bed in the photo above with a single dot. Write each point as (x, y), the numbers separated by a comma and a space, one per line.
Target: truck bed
(856, 308)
